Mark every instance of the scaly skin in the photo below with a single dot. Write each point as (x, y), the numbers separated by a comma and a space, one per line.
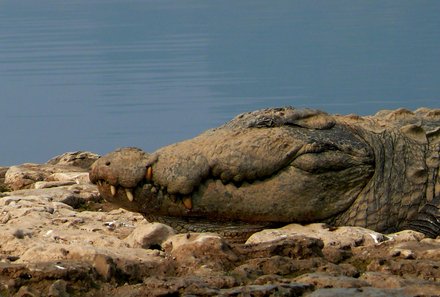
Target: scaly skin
(277, 166)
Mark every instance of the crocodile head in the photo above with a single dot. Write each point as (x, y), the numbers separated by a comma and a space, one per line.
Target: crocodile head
(272, 166)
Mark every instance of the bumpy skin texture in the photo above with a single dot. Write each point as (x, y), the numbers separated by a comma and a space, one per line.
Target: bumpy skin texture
(282, 165)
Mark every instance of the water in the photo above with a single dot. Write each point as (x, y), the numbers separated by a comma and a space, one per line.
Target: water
(96, 75)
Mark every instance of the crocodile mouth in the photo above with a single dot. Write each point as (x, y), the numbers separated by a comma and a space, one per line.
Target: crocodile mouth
(113, 193)
(148, 198)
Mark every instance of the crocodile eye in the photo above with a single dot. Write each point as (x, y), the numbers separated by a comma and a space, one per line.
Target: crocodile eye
(107, 163)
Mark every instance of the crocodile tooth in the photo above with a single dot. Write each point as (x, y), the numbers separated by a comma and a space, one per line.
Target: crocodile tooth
(113, 190)
(187, 202)
(129, 194)
(149, 174)
(99, 183)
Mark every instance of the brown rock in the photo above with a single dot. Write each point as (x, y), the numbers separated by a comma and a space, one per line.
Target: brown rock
(344, 269)
(76, 177)
(73, 195)
(24, 291)
(54, 184)
(341, 237)
(324, 280)
(200, 253)
(383, 280)
(283, 266)
(336, 255)
(67, 167)
(79, 159)
(149, 236)
(299, 247)
(58, 289)
(424, 269)
(187, 285)
(26, 175)
(290, 289)
(362, 292)
(406, 235)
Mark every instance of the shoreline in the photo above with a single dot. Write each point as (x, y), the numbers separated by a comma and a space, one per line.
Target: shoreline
(60, 238)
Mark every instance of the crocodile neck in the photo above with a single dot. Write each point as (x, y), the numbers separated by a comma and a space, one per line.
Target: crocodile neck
(433, 163)
(397, 190)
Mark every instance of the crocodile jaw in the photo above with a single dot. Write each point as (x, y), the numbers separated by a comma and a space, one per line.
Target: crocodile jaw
(287, 196)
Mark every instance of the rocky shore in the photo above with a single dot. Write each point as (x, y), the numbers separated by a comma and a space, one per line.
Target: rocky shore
(59, 238)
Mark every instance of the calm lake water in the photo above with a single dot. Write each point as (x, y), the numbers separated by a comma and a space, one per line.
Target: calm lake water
(100, 74)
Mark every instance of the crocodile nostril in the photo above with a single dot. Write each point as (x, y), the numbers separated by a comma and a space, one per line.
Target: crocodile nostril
(107, 163)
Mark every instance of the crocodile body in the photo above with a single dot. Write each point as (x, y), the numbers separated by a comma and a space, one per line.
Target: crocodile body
(282, 165)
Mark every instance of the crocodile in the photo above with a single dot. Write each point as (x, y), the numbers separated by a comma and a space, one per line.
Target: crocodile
(276, 166)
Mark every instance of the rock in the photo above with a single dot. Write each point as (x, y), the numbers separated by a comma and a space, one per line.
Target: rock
(340, 237)
(149, 236)
(362, 292)
(298, 247)
(37, 278)
(390, 281)
(290, 289)
(186, 285)
(343, 269)
(54, 184)
(26, 292)
(214, 286)
(382, 280)
(324, 280)
(26, 175)
(76, 177)
(75, 195)
(377, 292)
(49, 232)
(79, 159)
(283, 266)
(69, 167)
(336, 255)
(23, 176)
(407, 235)
(200, 253)
(415, 268)
(404, 253)
(58, 289)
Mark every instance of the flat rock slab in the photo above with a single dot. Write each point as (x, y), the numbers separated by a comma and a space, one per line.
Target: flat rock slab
(340, 237)
(54, 243)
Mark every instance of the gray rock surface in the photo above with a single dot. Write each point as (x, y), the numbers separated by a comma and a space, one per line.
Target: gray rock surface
(59, 238)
